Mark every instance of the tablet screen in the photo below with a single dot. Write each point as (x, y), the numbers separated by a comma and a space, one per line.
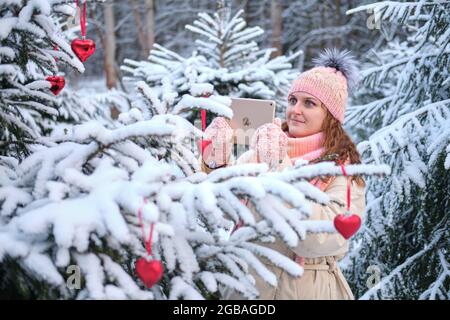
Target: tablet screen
(248, 115)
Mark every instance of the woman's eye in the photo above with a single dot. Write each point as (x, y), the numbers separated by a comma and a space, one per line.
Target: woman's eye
(310, 103)
(292, 101)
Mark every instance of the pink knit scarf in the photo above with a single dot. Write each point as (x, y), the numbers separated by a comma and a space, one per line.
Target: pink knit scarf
(308, 148)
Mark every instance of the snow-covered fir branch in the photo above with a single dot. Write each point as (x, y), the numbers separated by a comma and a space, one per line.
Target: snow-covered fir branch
(438, 288)
(386, 287)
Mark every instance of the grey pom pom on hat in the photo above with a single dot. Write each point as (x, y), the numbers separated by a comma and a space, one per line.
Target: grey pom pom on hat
(342, 61)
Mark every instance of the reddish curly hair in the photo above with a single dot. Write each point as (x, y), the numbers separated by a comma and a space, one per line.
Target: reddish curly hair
(338, 145)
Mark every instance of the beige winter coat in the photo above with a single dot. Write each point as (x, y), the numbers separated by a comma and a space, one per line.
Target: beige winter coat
(322, 278)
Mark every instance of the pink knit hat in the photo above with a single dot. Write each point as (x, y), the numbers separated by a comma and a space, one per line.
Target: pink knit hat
(334, 75)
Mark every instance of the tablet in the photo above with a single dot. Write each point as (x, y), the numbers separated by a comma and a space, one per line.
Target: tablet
(248, 115)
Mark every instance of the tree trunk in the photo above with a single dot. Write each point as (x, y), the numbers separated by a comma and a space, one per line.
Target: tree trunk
(110, 46)
(276, 12)
(339, 22)
(150, 24)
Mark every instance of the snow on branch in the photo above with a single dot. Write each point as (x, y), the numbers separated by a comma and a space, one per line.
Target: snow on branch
(438, 289)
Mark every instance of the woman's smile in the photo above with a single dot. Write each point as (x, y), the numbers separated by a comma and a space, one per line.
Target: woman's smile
(296, 122)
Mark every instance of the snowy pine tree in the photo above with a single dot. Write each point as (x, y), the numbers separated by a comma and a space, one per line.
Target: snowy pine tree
(406, 234)
(71, 209)
(226, 56)
(29, 34)
(78, 106)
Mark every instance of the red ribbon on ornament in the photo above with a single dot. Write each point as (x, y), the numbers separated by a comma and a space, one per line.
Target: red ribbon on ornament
(82, 19)
(344, 172)
(204, 143)
(203, 114)
(148, 244)
(55, 48)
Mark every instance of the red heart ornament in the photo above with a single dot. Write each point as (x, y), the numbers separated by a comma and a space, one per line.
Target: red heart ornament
(150, 272)
(347, 225)
(57, 83)
(83, 48)
(205, 143)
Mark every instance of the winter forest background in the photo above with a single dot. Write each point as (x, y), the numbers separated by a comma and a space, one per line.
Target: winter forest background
(80, 171)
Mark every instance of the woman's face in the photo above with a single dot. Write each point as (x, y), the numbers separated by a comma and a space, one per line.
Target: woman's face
(304, 115)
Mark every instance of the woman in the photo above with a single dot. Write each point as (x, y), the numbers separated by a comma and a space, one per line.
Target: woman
(312, 131)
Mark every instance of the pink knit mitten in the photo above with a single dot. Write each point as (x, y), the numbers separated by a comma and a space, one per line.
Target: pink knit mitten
(217, 143)
(270, 143)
